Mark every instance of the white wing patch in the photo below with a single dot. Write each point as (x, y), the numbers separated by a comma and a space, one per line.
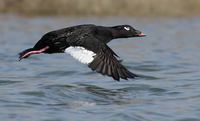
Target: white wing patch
(81, 54)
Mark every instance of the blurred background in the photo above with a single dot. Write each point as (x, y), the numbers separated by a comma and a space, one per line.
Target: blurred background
(102, 7)
(58, 88)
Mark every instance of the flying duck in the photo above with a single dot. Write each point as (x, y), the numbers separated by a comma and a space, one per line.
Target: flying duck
(88, 44)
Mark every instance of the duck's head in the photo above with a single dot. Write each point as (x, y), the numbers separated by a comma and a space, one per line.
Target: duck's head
(125, 31)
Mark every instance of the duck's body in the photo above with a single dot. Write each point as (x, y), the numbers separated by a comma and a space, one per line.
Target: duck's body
(88, 44)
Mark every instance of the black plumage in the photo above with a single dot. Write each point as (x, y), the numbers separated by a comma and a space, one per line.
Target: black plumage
(93, 38)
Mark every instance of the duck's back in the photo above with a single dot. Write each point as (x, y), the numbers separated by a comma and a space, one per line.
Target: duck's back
(73, 31)
(70, 35)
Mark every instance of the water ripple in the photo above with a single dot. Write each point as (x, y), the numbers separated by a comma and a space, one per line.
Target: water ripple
(55, 87)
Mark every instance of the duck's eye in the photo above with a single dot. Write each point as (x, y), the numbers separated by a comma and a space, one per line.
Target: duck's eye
(127, 28)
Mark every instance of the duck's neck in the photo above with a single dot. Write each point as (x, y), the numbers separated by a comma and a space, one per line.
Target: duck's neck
(105, 34)
(116, 34)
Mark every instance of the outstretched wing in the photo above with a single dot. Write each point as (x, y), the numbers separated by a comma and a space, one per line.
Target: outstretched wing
(106, 63)
(100, 58)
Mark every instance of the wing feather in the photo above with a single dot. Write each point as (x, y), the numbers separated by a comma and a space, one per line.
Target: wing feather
(106, 63)
(105, 60)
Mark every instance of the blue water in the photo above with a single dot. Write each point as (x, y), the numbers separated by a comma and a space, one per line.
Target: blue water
(58, 88)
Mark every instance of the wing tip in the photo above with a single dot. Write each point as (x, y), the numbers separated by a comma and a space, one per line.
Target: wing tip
(132, 76)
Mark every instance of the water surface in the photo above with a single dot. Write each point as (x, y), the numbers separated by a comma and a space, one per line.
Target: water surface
(59, 88)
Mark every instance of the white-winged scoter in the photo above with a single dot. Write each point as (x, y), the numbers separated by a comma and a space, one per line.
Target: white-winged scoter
(88, 44)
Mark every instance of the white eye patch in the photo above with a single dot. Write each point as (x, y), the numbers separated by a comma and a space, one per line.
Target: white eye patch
(127, 28)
